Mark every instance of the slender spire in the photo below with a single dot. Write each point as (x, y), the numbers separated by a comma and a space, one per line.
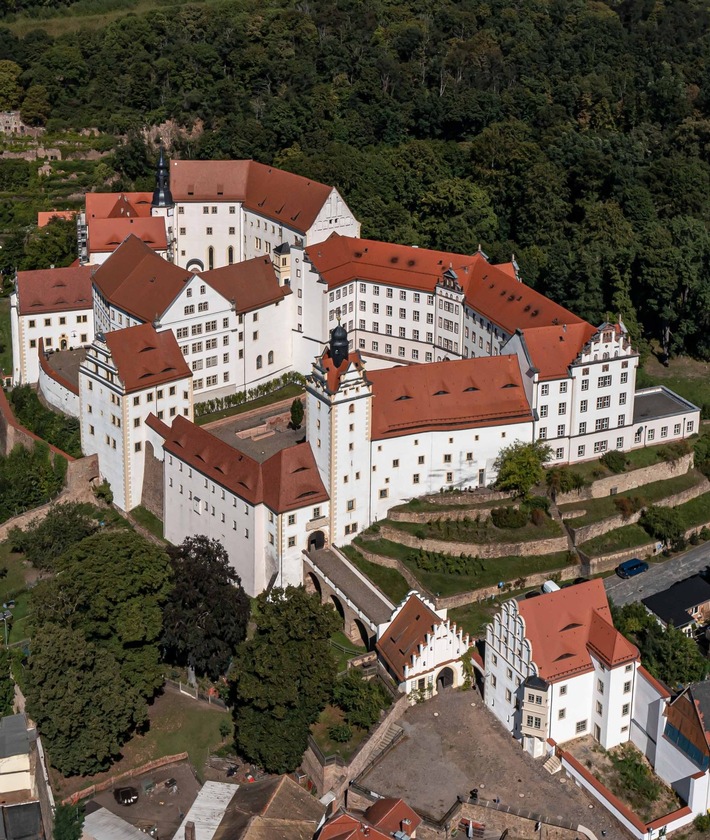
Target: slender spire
(162, 197)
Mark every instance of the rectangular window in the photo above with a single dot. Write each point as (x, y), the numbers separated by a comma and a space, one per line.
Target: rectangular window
(582, 428)
(543, 411)
(604, 382)
(627, 687)
(562, 408)
(664, 431)
(563, 387)
(415, 478)
(561, 430)
(601, 446)
(544, 390)
(600, 708)
(580, 726)
(601, 424)
(542, 433)
(603, 402)
(621, 420)
(559, 453)
(624, 378)
(584, 404)
(676, 429)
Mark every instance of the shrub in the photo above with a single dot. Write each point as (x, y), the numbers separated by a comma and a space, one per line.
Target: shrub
(673, 452)
(103, 491)
(662, 524)
(539, 517)
(361, 700)
(509, 517)
(629, 505)
(420, 532)
(702, 821)
(635, 775)
(55, 428)
(340, 733)
(614, 460)
(539, 502)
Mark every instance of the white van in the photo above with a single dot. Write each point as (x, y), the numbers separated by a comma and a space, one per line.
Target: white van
(550, 586)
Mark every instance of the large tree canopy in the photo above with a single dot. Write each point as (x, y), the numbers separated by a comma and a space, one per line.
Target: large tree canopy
(283, 677)
(206, 615)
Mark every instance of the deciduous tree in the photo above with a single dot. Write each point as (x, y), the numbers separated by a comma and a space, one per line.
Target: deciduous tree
(519, 466)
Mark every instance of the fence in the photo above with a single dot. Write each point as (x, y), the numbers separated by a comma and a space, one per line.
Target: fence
(194, 693)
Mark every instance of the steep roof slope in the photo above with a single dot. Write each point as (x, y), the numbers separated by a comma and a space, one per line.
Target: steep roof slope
(406, 633)
(145, 358)
(54, 289)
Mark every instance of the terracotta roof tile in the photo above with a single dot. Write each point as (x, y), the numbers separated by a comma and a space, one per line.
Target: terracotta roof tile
(552, 349)
(138, 281)
(333, 373)
(145, 358)
(45, 217)
(107, 234)
(389, 814)
(406, 633)
(54, 290)
(291, 479)
(347, 827)
(448, 395)
(106, 205)
(564, 626)
(250, 284)
(288, 199)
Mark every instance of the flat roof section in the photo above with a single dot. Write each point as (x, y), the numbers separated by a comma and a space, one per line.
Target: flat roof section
(262, 445)
(655, 403)
(66, 364)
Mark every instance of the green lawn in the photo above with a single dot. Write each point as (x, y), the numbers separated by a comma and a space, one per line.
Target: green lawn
(598, 509)
(148, 520)
(390, 581)
(488, 573)
(424, 506)
(646, 456)
(472, 618)
(695, 512)
(472, 531)
(287, 392)
(5, 337)
(344, 649)
(630, 536)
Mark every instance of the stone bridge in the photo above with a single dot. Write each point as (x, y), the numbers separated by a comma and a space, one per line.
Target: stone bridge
(359, 603)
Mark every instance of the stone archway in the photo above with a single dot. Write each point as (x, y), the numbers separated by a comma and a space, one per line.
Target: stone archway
(338, 604)
(316, 541)
(365, 635)
(444, 679)
(313, 584)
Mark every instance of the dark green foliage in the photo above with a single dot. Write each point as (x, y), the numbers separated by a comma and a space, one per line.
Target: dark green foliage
(43, 541)
(702, 822)
(668, 654)
(628, 505)
(433, 561)
(241, 397)
(341, 733)
(29, 478)
(56, 429)
(509, 517)
(103, 491)
(283, 677)
(296, 413)
(536, 503)
(52, 245)
(361, 700)
(206, 614)
(68, 822)
(7, 684)
(635, 776)
(614, 460)
(661, 523)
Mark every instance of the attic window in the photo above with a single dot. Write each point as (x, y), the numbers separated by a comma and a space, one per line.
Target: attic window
(394, 260)
(510, 385)
(571, 626)
(440, 393)
(300, 469)
(564, 656)
(410, 263)
(511, 297)
(527, 308)
(502, 294)
(357, 254)
(403, 397)
(471, 388)
(307, 493)
(535, 313)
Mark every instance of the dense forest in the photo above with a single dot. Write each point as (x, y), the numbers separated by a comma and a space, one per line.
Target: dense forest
(573, 133)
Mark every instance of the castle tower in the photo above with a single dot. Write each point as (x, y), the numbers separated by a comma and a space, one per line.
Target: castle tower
(339, 406)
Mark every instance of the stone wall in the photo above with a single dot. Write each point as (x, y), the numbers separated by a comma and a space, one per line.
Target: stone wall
(474, 497)
(153, 488)
(12, 432)
(532, 548)
(628, 480)
(595, 529)
(457, 515)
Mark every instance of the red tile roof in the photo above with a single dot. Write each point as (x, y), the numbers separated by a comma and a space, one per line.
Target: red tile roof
(347, 827)
(54, 290)
(564, 627)
(406, 633)
(333, 373)
(118, 205)
(286, 198)
(489, 289)
(45, 217)
(388, 815)
(250, 284)
(286, 481)
(448, 395)
(553, 349)
(145, 358)
(105, 235)
(138, 281)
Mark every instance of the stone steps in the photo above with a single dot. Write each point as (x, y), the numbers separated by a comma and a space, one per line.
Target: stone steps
(552, 764)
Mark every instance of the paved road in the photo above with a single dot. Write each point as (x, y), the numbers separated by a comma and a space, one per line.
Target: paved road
(659, 577)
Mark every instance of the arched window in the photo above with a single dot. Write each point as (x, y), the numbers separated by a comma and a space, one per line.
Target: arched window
(230, 255)
(259, 362)
(271, 357)
(210, 258)
(351, 410)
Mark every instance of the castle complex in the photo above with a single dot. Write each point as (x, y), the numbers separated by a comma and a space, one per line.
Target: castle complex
(421, 365)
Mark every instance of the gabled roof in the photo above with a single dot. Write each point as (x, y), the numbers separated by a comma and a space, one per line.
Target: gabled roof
(145, 358)
(406, 633)
(285, 198)
(672, 604)
(286, 481)
(334, 374)
(388, 815)
(118, 205)
(347, 827)
(469, 393)
(250, 284)
(54, 290)
(552, 349)
(565, 627)
(138, 281)
(107, 234)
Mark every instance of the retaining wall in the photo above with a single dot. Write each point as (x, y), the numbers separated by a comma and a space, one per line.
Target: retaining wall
(595, 529)
(457, 515)
(628, 480)
(531, 548)
(12, 432)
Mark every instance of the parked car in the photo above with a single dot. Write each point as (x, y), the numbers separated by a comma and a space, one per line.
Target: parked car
(550, 586)
(533, 594)
(126, 795)
(632, 567)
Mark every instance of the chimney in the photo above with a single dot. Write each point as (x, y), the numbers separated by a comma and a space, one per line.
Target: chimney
(190, 830)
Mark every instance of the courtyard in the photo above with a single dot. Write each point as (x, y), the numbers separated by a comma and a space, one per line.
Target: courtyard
(454, 744)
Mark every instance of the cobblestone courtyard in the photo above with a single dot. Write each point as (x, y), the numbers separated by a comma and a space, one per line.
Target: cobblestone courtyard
(453, 746)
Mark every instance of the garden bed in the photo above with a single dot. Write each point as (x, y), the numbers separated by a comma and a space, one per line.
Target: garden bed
(472, 531)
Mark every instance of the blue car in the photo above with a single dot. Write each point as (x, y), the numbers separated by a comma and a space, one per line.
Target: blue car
(632, 567)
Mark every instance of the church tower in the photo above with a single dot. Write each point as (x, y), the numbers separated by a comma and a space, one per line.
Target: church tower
(162, 203)
(339, 407)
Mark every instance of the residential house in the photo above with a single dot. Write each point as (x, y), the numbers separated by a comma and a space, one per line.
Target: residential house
(384, 819)
(685, 604)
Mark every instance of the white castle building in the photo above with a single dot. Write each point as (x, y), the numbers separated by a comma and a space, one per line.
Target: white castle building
(421, 365)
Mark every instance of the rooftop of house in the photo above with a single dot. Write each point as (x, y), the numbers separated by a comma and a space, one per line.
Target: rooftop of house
(54, 290)
(145, 358)
(250, 284)
(14, 738)
(121, 205)
(566, 627)
(105, 235)
(287, 480)
(552, 349)
(101, 824)
(462, 394)
(333, 373)
(406, 633)
(44, 217)
(672, 605)
(658, 402)
(287, 199)
(383, 819)
(347, 827)
(489, 289)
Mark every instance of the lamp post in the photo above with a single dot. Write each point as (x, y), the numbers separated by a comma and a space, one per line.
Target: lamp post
(6, 614)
